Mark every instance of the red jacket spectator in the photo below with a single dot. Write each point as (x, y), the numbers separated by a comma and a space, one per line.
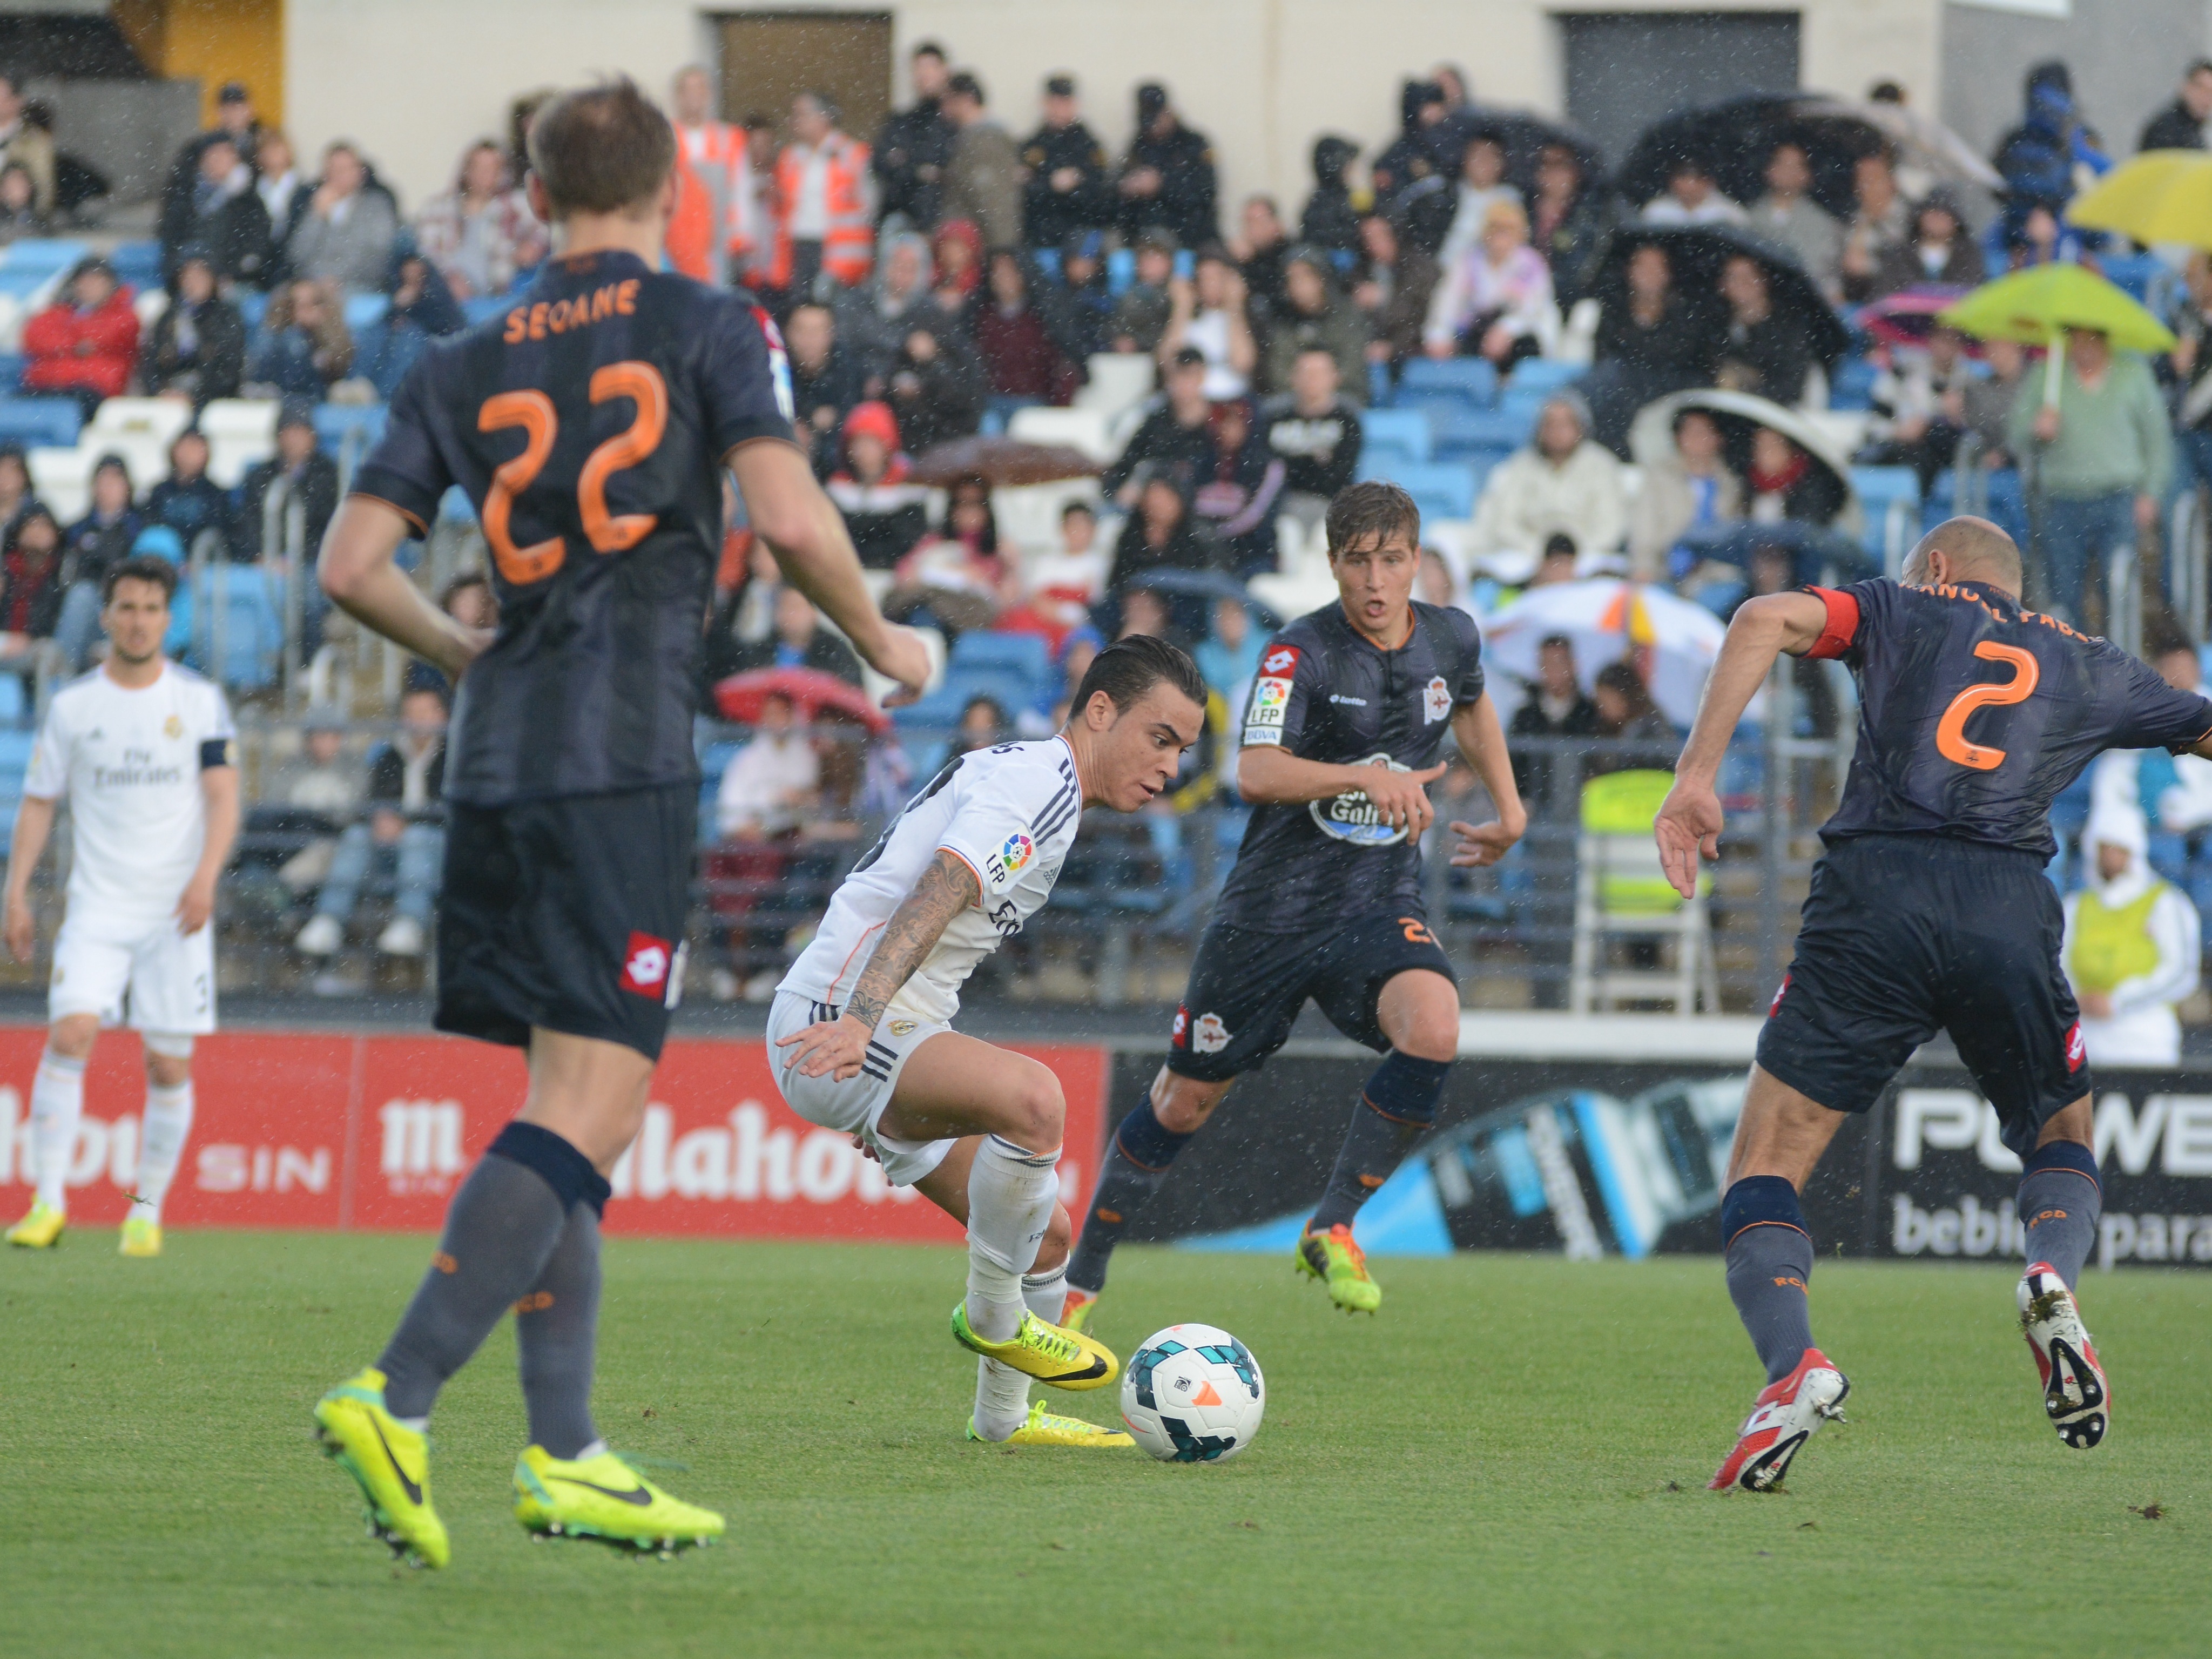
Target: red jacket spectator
(87, 341)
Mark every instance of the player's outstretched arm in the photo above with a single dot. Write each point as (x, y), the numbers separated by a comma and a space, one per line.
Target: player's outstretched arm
(1267, 775)
(1482, 740)
(1689, 821)
(219, 790)
(357, 571)
(947, 887)
(35, 822)
(812, 547)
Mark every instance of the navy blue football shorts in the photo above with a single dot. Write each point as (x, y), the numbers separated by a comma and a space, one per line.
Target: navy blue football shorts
(1903, 936)
(1246, 988)
(567, 913)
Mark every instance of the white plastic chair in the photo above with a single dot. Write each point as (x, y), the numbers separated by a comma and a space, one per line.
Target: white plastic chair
(1084, 429)
(159, 418)
(240, 431)
(1119, 381)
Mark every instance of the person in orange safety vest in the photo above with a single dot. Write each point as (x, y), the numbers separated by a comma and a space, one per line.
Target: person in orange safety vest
(825, 201)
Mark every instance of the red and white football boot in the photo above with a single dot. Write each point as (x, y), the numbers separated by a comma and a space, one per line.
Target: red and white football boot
(2076, 1396)
(1783, 1418)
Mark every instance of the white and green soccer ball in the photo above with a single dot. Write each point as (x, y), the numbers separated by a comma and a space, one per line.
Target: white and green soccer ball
(1193, 1394)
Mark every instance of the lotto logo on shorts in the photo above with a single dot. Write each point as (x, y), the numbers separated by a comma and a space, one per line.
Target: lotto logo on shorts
(1283, 659)
(1179, 1033)
(1783, 990)
(2077, 1048)
(644, 965)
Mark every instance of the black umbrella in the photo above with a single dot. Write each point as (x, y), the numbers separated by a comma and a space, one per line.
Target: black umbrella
(1733, 142)
(1697, 253)
(1816, 554)
(1525, 136)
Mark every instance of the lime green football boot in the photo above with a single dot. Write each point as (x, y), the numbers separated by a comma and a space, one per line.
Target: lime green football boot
(1338, 1262)
(141, 1237)
(1044, 1428)
(1051, 1354)
(606, 1498)
(391, 1464)
(41, 1229)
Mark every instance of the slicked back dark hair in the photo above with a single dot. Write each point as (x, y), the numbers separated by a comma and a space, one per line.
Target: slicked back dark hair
(602, 148)
(140, 567)
(1375, 510)
(1126, 670)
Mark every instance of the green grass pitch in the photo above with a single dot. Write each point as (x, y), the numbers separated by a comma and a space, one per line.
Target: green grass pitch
(1510, 1460)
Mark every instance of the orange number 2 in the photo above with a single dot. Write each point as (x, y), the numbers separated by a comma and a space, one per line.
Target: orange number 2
(1417, 931)
(1951, 731)
(534, 412)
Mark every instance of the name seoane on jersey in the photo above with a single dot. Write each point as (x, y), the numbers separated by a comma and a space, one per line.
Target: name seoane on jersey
(536, 322)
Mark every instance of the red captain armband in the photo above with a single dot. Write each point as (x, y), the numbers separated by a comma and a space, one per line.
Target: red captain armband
(1843, 625)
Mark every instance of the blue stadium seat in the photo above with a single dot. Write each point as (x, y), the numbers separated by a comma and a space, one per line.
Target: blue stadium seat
(1852, 384)
(1121, 271)
(1524, 404)
(252, 601)
(139, 264)
(1404, 432)
(1442, 489)
(1470, 377)
(15, 704)
(14, 762)
(252, 306)
(1460, 430)
(1027, 655)
(362, 309)
(336, 422)
(1878, 488)
(1543, 375)
(50, 422)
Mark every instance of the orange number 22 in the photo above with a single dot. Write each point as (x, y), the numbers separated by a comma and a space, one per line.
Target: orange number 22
(534, 412)
(1951, 731)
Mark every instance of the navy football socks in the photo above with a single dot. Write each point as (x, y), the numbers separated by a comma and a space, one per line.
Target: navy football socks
(1769, 1264)
(1136, 1164)
(2060, 1204)
(1396, 1107)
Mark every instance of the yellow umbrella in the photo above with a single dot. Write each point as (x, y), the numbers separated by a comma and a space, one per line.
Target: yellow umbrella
(2037, 306)
(2160, 195)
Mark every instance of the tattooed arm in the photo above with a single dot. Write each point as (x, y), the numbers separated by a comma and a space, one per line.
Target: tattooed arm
(947, 887)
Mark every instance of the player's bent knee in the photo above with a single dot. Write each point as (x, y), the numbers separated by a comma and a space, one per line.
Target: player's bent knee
(72, 1035)
(1039, 1109)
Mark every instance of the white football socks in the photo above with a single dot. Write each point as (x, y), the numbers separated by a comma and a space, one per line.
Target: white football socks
(1002, 1393)
(168, 1126)
(1011, 1193)
(57, 1103)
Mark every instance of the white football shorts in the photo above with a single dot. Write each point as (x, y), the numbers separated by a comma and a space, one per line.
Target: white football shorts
(151, 978)
(854, 1106)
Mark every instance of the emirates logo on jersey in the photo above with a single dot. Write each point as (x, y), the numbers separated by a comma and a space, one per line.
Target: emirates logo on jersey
(644, 965)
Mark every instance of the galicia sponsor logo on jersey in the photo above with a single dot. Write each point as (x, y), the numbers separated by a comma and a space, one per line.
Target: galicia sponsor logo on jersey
(1351, 816)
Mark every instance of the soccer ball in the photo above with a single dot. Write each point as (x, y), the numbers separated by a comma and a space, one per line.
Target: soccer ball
(1193, 1394)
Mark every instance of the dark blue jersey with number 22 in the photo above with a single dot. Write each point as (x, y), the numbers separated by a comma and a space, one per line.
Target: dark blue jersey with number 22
(1974, 713)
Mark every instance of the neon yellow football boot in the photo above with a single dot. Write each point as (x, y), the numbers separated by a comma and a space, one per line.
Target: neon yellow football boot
(606, 1497)
(41, 1229)
(391, 1464)
(1045, 1429)
(1075, 1313)
(1338, 1262)
(1051, 1354)
(140, 1237)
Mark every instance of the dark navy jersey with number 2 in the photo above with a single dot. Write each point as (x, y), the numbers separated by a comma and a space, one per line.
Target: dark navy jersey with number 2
(1325, 693)
(1974, 713)
(588, 423)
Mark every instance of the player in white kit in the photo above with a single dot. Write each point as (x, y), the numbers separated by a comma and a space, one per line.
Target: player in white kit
(144, 750)
(863, 1018)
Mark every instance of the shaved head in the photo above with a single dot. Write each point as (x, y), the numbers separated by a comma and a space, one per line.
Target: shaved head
(1970, 550)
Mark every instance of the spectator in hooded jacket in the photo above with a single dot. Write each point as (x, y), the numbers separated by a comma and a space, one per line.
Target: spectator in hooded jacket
(1416, 154)
(2180, 124)
(189, 502)
(197, 349)
(346, 236)
(86, 342)
(1316, 314)
(481, 232)
(305, 348)
(984, 182)
(872, 319)
(1024, 354)
(1066, 191)
(934, 386)
(1168, 176)
(287, 502)
(885, 512)
(1331, 219)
